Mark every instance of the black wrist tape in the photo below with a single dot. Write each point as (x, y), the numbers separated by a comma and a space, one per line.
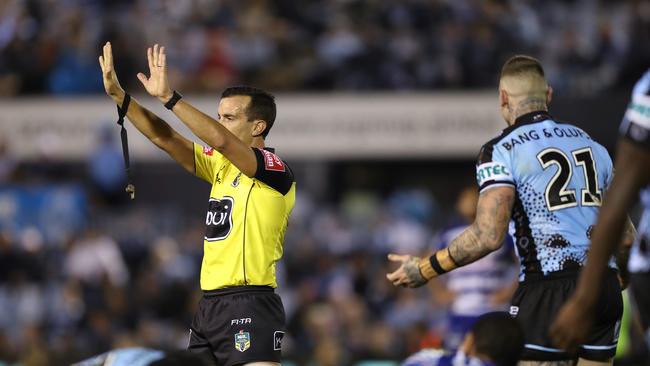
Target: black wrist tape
(176, 96)
(433, 260)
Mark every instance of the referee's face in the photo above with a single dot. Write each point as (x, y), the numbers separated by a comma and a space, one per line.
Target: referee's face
(232, 115)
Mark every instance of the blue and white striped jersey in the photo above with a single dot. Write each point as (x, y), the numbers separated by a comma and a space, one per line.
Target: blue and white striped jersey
(636, 128)
(475, 284)
(559, 174)
(434, 357)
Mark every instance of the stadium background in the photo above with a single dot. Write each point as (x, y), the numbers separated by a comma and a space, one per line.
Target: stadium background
(382, 106)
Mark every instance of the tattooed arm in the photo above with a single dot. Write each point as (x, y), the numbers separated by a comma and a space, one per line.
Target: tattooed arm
(489, 229)
(485, 235)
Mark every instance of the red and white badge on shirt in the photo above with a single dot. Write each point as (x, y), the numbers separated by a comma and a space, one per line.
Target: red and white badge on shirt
(272, 161)
(207, 150)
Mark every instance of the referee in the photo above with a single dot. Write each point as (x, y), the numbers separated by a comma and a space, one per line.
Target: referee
(240, 320)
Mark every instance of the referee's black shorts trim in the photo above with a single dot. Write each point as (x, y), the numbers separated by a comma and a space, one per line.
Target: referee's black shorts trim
(236, 290)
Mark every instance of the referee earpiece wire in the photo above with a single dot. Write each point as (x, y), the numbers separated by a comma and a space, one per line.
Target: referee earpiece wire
(121, 113)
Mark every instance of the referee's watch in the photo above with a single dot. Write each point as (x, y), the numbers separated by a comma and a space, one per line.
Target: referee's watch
(176, 96)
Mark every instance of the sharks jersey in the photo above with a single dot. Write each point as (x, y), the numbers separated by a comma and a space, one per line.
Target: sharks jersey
(559, 174)
(636, 128)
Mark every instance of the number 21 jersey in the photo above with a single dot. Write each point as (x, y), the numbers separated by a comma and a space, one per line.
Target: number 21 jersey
(559, 175)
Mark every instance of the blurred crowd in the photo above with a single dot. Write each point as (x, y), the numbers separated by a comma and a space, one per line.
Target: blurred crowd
(587, 46)
(128, 275)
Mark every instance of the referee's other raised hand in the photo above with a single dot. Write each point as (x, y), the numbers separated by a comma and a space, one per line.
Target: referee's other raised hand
(109, 77)
(157, 84)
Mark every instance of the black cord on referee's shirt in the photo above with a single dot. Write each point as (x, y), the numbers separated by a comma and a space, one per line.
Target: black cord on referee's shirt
(121, 113)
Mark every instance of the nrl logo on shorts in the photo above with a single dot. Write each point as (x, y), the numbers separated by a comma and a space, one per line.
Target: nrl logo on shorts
(242, 341)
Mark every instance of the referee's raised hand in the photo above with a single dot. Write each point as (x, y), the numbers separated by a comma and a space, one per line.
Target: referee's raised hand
(109, 77)
(157, 84)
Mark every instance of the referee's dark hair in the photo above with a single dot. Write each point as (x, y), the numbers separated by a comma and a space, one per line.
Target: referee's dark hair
(499, 337)
(261, 106)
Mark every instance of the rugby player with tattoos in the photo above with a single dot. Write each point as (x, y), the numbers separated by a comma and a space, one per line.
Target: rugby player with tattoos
(548, 178)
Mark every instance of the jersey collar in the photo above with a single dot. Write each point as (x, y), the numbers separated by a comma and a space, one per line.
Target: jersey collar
(532, 117)
(269, 149)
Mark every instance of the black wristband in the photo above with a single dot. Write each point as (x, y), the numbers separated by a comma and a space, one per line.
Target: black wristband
(433, 260)
(174, 99)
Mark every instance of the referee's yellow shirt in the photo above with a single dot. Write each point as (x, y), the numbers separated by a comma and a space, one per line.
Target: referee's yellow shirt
(246, 219)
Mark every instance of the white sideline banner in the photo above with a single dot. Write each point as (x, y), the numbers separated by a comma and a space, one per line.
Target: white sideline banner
(308, 127)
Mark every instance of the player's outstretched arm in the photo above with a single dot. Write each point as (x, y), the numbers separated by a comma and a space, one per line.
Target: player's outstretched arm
(572, 324)
(150, 125)
(489, 229)
(484, 236)
(203, 126)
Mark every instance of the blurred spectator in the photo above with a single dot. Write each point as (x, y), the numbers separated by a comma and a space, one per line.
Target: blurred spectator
(8, 164)
(95, 257)
(106, 166)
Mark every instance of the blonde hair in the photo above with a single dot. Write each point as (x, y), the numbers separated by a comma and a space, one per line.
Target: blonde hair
(523, 76)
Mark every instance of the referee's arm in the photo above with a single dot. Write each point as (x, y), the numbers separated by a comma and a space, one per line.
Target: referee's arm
(150, 125)
(203, 126)
(218, 137)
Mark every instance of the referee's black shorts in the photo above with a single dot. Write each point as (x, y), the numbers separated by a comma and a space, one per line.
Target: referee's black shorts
(237, 325)
(539, 298)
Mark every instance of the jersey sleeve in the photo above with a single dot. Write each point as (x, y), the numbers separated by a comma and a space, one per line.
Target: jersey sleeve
(206, 160)
(493, 169)
(636, 122)
(272, 171)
